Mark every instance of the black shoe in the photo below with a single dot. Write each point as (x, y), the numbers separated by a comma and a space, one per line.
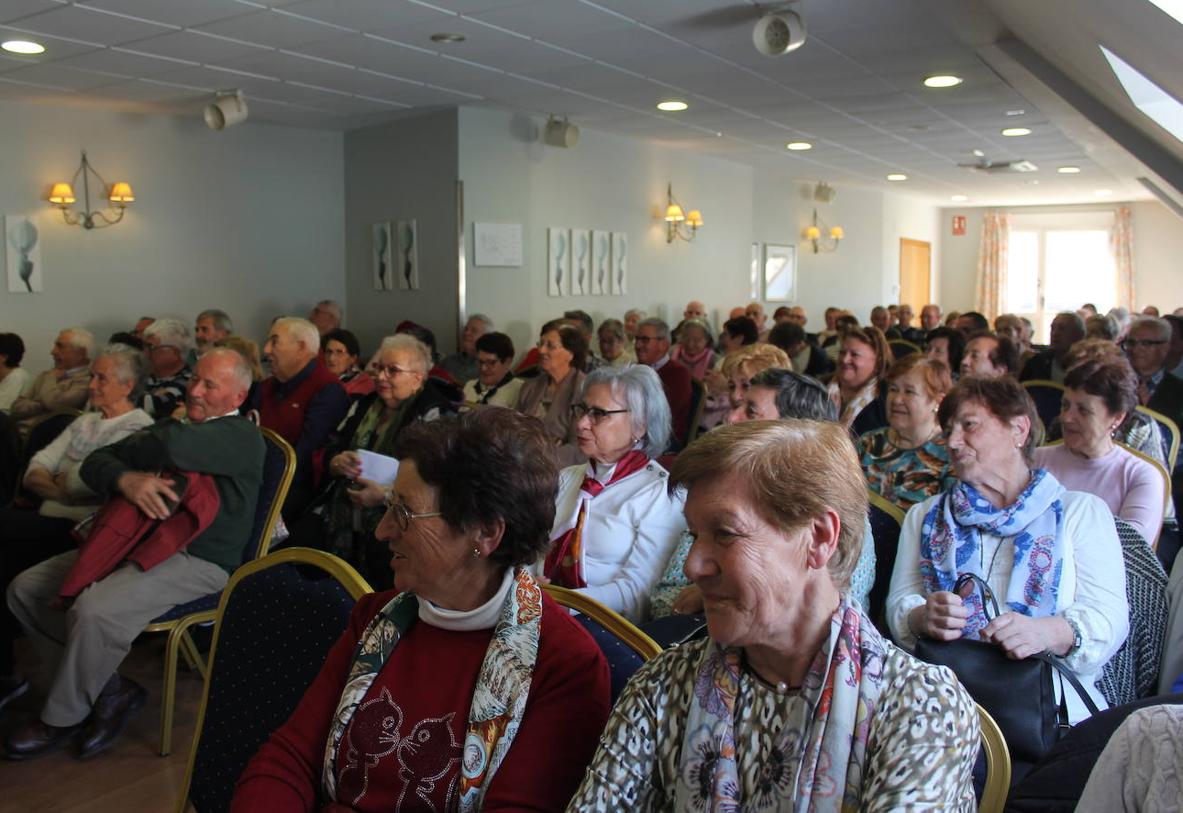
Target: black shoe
(110, 716)
(34, 738)
(11, 687)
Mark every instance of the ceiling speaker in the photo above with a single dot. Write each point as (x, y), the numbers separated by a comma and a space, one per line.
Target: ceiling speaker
(227, 109)
(560, 133)
(778, 34)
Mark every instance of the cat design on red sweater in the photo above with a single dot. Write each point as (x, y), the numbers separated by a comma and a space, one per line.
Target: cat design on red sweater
(426, 755)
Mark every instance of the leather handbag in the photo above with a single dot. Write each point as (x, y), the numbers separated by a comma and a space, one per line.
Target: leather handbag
(1018, 694)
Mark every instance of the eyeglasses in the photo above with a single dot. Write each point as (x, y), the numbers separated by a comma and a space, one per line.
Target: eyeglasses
(402, 513)
(391, 370)
(596, 414)
(1134, 344)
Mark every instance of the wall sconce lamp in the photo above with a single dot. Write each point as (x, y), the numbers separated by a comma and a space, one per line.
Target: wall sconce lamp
(118, 193)
(823, 243)
(678, 223)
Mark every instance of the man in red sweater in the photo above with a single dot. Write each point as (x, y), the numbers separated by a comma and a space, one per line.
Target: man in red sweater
(302, 401)
(653, 348)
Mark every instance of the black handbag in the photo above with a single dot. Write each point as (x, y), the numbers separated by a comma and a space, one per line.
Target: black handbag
(1018, 694)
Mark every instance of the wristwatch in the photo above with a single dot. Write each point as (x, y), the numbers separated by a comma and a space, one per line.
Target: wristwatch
(1077, 640)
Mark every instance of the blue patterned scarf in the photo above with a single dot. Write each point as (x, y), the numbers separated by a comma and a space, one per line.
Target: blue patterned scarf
(950, 545)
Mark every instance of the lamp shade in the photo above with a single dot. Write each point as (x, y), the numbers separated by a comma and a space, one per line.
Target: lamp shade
(836, 233)
(121, 192)
(813, 233)
(674, 213)
(61, 193)
(694, 218)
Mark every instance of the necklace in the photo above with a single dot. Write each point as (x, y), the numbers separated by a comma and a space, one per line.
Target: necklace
(780, 687)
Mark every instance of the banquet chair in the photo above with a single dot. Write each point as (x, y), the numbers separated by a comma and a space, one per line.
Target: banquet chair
(886, 519)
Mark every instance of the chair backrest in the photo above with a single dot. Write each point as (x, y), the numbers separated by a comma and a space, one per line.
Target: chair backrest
(886, 518)
(997, 765)
(279, 467)
(1170, 434)
(625, 646)
(1047, 396)
(698, 403)
(1132, 673)
(902, 347)
(277, 620)
(1162, 471)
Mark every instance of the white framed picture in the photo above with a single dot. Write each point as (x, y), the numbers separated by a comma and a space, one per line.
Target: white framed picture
(780, 273)
(558, 261)
(408, 255)
(619, 263)
(580, 262)
(382, 256)
(23, 254)
(601, 262)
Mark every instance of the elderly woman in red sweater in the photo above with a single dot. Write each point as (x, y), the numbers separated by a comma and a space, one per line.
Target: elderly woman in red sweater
(466, 688)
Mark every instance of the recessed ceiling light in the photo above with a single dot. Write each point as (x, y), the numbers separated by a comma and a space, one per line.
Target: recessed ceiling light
(672, 106)
(1016, 131)
(1016, 112)
(798, 146)
(1102, 193)
(1068, 170)
(23, 47)
(959, 198)
(897, 176)
(448, 39)
(943, 81)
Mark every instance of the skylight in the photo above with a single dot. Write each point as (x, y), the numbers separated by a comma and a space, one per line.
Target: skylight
(1148, 97)
(1171, 7)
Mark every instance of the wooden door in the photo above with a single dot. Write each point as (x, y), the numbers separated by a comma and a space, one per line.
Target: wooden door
(915, 273)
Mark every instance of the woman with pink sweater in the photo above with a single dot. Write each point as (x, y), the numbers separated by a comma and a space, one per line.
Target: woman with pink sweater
(1098, 397)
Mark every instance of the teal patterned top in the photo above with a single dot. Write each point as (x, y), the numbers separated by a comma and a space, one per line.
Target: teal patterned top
(904, 476)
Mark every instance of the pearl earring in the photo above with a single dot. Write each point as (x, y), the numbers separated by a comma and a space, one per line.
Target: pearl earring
(476, 552)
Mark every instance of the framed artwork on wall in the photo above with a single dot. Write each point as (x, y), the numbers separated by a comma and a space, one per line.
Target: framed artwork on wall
(780, 273)
(23, 255)
(601, 263)
(580, 262)
(408, 256)
(382, 254)
(558, 261)
(619, 263)
(754, 273)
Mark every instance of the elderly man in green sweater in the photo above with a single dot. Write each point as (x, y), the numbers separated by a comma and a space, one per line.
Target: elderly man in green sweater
(90, 639)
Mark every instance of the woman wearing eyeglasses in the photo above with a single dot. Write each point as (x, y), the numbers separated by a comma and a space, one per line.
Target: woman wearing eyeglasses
(562, 355)
(469, 688)
(615, 521)
(352, 503)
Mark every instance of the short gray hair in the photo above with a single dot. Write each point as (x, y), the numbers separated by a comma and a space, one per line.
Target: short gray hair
(409, 344)
(172, 332)
(484, 320)
(613, 326)
(241, 370)
(637, 312)
(640, 389)
(663, 330)
(220, 319)
(81, 338)
(301, 330)
(331, 306)
(1160, 326)
(130, 367)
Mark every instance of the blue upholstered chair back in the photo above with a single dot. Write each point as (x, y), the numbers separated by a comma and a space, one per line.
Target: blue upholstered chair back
(885, 521)
(623, 660)
(275, 476)
(276, 624)
(1047, 396)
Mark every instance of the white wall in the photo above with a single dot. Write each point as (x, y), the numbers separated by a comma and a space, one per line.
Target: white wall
(249, 220)
(1158, 247)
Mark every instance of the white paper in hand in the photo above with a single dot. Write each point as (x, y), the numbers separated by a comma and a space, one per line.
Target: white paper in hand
(377, 467)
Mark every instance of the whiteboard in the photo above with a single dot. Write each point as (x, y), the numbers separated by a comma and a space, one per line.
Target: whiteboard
(497, 244)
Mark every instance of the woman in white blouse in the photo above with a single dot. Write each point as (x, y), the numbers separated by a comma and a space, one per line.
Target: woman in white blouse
(27, 536)
(1050, 556)
(13, 377)
(615, 521)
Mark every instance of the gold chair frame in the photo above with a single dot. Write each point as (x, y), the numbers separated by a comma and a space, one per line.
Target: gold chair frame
(179, 639)
(337, 568)
(912, 346)
(1172, 427)
(886, 506)
(998, 768)
(611, 620)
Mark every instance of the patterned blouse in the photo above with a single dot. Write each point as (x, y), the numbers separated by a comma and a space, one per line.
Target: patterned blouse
(922, 745)
(904, 476)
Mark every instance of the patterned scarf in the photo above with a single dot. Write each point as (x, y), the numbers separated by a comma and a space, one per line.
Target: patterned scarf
(950, 545)
(841, 692)
(564, 563)
(498, 701)
(855, 405)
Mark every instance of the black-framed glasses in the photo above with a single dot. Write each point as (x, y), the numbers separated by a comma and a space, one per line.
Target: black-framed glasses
(402, 512)
(1134, 344)
(596, 414)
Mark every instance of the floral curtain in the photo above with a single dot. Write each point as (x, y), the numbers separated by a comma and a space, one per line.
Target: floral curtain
(1121, 242)
(993, 256)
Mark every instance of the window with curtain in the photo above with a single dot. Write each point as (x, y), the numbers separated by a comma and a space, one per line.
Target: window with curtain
(1058, 262)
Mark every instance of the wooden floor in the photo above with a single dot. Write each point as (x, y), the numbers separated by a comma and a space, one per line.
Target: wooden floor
(131, 777)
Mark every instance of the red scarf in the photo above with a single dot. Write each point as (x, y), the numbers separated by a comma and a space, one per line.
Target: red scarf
(563, 564)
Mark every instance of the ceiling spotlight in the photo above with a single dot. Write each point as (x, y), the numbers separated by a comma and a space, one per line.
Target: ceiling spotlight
(943, 81)
(1016, 112)
(448, 39)
(959, 198)
(1102, 193)
(1068, 170)
(227, 109)
(672, 106)
(979, 154)
(1016, 131)
(798, 146)
(897, 176)
(22, 47)
(778, 34)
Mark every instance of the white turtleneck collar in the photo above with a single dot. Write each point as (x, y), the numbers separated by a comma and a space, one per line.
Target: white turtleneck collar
(483, 617)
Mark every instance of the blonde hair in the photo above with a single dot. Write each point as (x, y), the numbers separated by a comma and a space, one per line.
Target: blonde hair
(755, 358)
(246, 348)
(779, 461)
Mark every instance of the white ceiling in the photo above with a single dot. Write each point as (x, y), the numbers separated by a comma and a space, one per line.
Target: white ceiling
(854, 89)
